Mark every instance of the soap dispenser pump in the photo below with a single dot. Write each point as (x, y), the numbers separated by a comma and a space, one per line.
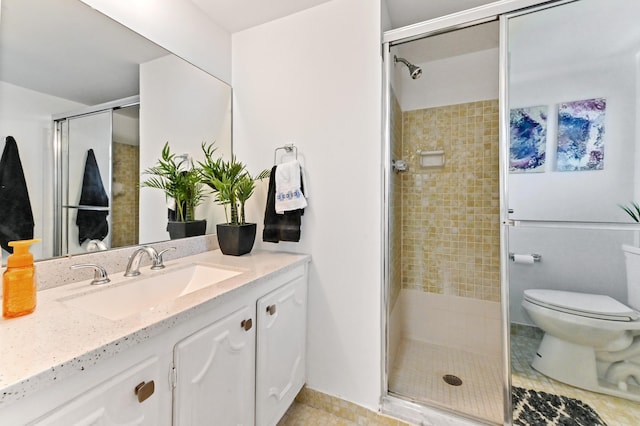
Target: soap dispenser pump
(19, 281)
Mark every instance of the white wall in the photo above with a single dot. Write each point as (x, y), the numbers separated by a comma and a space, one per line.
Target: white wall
(580, 195)
(177, 25)
(126, 130)
(587, 261)
(548, 68)
(181, 105)
(26, 115)
(582, 260)
(314, 79)
(468, 324)
(465, 78)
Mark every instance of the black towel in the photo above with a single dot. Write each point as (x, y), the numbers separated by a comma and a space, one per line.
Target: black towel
(16, 217)
(92, 224)
(280, 227)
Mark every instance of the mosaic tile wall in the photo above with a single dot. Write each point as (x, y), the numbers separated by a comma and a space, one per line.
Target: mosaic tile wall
(395, 219)
(451, 225)
(126, 171)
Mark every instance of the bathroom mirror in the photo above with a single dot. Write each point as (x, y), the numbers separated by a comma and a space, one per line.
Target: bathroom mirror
(63, 59)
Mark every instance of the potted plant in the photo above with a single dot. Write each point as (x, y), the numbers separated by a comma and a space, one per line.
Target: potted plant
(232, 186)
(633, 211)
(180, 181)
(632, 253)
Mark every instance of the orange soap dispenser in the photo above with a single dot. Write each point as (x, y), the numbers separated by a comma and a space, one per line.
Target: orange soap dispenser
(19, 281)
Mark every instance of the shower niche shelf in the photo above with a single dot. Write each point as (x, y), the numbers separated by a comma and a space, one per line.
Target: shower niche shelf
(431, 159)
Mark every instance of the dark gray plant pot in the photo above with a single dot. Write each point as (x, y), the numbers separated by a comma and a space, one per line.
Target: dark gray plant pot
(236, 240)
(186, 229)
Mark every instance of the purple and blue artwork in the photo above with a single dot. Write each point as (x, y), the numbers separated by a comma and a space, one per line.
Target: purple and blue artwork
(581, 135)
(528, 139)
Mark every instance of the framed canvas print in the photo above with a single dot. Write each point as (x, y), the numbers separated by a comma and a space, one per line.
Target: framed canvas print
(528, 139)
(581, 135)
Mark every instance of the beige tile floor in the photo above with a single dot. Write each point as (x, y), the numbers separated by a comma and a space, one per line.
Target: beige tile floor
(418, 375)
(480, 395)
(302, 415)
(524, 342)
(315, 408)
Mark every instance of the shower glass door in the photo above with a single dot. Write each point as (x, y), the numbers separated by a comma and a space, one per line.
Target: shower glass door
(574, 156)
(80, 136)
(444, 316)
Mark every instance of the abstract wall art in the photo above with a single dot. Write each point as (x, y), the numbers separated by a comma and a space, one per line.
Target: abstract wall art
(581, 135)
(528, 139)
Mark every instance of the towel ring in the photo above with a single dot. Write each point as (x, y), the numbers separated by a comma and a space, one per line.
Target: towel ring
(289, 148)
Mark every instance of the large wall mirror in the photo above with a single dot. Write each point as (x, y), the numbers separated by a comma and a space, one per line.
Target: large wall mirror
(73, 81)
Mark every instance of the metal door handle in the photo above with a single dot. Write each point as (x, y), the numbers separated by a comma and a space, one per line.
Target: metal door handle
(271, 309)
(247, 324)
(144, 390)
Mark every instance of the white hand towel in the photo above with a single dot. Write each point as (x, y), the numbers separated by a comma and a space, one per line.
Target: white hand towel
(289, 195)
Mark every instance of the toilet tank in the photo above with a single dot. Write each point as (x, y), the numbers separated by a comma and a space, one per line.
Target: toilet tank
(632, 262)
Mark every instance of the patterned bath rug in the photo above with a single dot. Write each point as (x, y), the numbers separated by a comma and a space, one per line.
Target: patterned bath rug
(533, 408)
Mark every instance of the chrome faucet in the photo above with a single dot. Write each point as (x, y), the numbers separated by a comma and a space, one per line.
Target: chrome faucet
(133, 266)
(157, 261)
(99, 274)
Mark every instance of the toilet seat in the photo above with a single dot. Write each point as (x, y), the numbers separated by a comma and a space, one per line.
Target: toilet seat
(583, 304)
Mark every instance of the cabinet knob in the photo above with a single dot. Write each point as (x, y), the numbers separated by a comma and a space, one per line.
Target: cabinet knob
(247, 324)
(271, 309)
(144, 390)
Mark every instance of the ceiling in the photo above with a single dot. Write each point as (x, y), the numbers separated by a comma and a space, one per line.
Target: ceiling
(238, 15)
(44, 52)
(401, 13)
(34, 44)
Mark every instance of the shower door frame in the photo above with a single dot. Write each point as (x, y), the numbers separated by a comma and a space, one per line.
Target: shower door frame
(390, 404)
(59, 120)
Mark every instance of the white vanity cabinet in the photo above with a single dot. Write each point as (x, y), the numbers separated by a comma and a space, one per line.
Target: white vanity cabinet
(281, 350)
(129, 398)
(235, 359)
(247, 367)
(214, 373)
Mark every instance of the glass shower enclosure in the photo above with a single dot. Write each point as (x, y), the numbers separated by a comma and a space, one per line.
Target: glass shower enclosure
(506, 163)
(96, 186)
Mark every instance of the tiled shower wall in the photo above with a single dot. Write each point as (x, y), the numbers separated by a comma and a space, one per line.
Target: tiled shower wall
(126, 160)
(450, 215)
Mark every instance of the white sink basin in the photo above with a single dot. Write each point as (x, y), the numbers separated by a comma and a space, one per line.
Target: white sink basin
(120, 300)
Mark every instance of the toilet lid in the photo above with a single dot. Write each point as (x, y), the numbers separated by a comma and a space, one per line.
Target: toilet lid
(589, 305)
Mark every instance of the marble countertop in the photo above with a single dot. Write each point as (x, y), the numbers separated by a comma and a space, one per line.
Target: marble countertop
(57, 341)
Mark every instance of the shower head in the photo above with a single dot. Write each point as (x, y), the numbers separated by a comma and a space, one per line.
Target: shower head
(414, 71)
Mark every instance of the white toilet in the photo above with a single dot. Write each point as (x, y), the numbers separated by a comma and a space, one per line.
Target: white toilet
(590, 341)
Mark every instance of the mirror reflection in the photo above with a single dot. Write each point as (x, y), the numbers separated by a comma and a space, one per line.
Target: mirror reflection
(76, 86)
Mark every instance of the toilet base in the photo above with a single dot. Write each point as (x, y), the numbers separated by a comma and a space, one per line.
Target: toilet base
(576, 365)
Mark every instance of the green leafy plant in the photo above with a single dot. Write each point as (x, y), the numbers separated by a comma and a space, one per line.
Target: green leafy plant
(230, 182)
(180, 180)
(633, 210)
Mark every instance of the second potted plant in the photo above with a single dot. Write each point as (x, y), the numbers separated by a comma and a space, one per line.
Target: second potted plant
(180, 181)
(232, 186)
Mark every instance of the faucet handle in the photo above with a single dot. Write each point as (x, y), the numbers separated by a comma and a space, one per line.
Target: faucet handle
(99, 274)
(157, 261)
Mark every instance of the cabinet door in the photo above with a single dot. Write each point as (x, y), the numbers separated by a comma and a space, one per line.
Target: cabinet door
(281, 350)
(115, 402)
(215, 371)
